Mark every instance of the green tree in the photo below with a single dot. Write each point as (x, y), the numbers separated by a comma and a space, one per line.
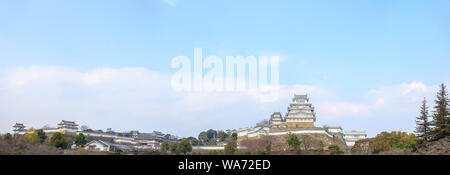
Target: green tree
(58, 140)
(266, 151)
(193, 140)
(441, 115)
(80, 140)
(208, 137)
(165, 146)
(202, 136)
(230, 148)
(173, 147)
(386, 141)
(211, 134)
(234, 136)
(423, 126)
(321, 146)
(268, 148)
(222, 135)
(184, 147)
(293, 142)
(31, 137)
(335, 150)
(41, 135)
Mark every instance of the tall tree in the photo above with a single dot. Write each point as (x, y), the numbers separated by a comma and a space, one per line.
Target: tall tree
(41, 134)
(440, 116)
(234, 136)
(423, 125)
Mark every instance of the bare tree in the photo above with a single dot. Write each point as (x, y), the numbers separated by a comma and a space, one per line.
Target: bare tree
(47, 126)
(264, 123)
(84, 127)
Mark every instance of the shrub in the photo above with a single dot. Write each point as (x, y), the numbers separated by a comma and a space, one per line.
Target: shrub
(58, 140)
(31, 137)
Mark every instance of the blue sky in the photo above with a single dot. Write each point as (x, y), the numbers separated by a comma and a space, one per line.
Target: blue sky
(347, 49)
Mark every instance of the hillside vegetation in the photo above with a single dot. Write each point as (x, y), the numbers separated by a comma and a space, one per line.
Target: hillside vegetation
(37, 144)
(285, 144)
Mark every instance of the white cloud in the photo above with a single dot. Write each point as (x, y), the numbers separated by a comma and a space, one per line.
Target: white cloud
(125, 98)
(404, 97)
(172, 3)
(138, 98)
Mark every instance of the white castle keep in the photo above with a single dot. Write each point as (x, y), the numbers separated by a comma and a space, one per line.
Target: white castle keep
(300, 119)
(300, 114)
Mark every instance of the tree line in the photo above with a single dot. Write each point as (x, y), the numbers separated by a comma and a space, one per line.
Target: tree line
(431, 126)
(58, 140)
(439, 126)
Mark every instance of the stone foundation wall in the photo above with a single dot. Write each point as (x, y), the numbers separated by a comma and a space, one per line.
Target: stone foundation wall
(300, 124)
(309, 143)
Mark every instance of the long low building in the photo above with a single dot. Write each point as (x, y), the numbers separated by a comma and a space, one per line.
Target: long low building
(352, 136)
(100, 145)
(135, 139)
(213, 147)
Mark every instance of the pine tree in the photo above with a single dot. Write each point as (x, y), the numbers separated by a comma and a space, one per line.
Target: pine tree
(423, 125)
(441, 115)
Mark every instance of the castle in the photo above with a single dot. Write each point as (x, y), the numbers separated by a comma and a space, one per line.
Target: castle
(300, 119)
(300, 114)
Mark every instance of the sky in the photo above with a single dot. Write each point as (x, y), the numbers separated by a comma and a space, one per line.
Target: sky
(366, 64)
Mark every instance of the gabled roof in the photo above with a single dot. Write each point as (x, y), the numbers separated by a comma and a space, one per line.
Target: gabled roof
(353, 132)
(276, 115)
(333, 127)
(305, 96)
(105, 143)
(258, 129)
(147, 136)
(65, 122)
(97, 141)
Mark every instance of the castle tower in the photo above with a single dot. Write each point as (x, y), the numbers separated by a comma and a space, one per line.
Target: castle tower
(19, 128)
(300, 113)
(68, 126)
(276, 120)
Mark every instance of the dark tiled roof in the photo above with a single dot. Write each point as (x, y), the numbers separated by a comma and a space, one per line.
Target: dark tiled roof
(147, 136)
